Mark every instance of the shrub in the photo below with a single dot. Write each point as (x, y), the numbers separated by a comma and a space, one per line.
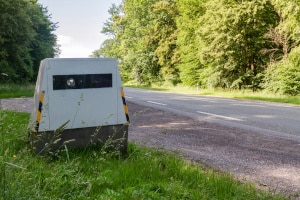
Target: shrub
(283, 77)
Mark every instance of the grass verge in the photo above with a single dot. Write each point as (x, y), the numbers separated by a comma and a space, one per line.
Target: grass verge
(13, 90)
(93, 174)
(227, 93)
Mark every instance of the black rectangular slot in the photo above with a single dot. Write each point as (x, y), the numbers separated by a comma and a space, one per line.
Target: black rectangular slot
(82, 81)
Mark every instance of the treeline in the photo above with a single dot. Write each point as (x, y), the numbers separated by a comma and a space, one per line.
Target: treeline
(211, 43)
(26, 37)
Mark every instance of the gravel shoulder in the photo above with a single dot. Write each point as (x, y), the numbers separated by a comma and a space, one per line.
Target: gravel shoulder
(271, 163)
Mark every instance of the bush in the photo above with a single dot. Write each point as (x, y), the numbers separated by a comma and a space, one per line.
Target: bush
(283, 77)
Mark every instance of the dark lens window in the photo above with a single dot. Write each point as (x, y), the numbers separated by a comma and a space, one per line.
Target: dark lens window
(84, 81)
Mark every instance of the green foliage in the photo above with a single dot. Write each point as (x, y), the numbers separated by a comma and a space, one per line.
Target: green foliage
(44, 43)
(187, 22)
(165, 33)
(209, 43)
(137, 44)
(283, 73)
(144, 42)
(231, 36)
(25, 38)
(111, 28)
(284, 77)
(286, 35)
(74, 174)
(16, 34)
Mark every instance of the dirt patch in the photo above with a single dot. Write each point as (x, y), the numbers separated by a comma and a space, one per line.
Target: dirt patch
(271, 163)
(17, 104)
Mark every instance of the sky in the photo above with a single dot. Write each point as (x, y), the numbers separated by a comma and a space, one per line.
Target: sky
(79, 24)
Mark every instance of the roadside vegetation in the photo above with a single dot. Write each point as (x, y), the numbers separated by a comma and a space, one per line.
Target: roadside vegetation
(16, 90)
(234, 45)
(241, 45)
(227, 93)
(26, 37)
(96, 173)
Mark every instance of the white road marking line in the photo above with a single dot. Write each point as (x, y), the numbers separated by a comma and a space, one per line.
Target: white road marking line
(157, 103)
(127, 97)
(220, 116)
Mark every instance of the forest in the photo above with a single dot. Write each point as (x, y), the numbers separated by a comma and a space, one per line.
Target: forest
(236, 44)
(231, 44)
(26, 37)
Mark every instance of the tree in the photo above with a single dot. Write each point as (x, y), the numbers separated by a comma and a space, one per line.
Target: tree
(112, 28)
(26, 37)
(164, 37)
(127, 28)
(283, 77)
(44, 44)
(286, 35)
(231, 36)
(136, 45)
(283, 73)
(211, 43)
(187, 46)
(16, 34)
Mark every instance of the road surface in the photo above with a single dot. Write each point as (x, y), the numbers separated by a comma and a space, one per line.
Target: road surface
(281, 120)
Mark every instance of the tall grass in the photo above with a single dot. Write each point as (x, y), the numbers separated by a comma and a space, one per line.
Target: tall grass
(93, 174)
(14, 90)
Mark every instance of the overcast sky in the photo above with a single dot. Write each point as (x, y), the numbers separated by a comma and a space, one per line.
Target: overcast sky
(80, 23)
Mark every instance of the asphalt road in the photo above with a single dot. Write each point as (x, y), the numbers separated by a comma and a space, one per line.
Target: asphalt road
(281, 120)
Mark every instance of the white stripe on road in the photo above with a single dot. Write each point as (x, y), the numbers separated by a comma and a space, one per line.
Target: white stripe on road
(153, 102)
(220, 116)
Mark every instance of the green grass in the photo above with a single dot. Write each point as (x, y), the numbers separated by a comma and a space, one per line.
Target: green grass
(13, 90)
(227, 93)
(94, 174)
